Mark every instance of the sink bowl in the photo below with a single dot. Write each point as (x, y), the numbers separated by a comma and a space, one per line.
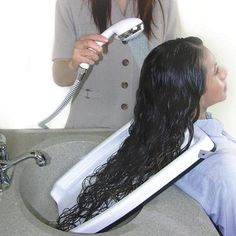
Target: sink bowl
(171, 212)
(36, 182)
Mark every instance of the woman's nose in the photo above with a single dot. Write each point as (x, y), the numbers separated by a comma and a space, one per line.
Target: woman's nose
(223, 73)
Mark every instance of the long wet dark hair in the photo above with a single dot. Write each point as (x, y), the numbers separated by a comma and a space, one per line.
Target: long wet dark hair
(172, 82)
(144, 12)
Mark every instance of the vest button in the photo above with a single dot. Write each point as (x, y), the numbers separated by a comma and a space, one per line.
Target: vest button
(125, 62)
(124, 106)
(124, 85)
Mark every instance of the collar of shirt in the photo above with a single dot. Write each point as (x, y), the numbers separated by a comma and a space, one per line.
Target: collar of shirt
(210, 126)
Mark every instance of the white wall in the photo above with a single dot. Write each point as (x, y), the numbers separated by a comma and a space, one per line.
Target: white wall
(27, 91)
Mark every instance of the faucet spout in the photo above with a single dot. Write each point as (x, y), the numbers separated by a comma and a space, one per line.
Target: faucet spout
(41, 158)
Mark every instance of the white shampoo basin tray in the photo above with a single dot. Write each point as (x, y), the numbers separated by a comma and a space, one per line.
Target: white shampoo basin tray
(67, 188)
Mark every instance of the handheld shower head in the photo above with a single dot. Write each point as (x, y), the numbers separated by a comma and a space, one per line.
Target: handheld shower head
(124, 30)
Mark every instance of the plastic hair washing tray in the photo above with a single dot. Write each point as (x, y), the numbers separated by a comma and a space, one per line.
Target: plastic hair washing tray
(67, 188)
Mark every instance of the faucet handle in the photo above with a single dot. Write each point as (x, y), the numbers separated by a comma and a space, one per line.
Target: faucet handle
(5, 181)
(3, 139)
(3, 148)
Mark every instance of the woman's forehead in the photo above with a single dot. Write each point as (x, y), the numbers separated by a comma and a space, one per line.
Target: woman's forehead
(210, 59)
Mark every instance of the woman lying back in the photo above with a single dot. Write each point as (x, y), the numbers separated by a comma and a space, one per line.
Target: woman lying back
(172, 95)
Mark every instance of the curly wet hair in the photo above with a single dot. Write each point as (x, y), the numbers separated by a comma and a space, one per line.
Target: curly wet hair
(172, 81)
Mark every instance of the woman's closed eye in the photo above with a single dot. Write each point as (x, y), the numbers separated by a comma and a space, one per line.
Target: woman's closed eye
(216, 69)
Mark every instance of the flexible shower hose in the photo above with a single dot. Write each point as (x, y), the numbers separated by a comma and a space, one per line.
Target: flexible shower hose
(73, 90)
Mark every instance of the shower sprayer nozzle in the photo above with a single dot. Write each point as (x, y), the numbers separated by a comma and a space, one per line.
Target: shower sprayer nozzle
(125, 29)
(132, 33)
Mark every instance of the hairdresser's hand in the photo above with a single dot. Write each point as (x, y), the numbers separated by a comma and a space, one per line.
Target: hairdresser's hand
(86, 50)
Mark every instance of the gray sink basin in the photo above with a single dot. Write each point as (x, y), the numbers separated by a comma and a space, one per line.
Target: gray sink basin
(172, 212)
(36, 182)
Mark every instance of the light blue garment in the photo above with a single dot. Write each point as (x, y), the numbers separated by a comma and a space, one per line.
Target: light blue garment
(213, 182)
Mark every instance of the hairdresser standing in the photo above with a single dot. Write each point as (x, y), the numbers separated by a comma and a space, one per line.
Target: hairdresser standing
(107, 97)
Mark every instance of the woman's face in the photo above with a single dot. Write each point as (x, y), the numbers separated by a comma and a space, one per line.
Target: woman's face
(216, 87)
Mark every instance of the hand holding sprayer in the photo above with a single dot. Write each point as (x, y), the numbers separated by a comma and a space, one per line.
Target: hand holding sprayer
(124, 30)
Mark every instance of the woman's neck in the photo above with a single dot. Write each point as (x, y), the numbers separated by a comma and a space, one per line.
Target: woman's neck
(202, 114)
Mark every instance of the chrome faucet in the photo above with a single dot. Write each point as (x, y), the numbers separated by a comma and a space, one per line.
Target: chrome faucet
(3, 148)
(41, 158)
